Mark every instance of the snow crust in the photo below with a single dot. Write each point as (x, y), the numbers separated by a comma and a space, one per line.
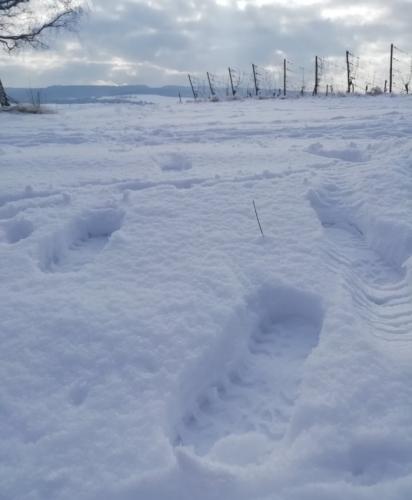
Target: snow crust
(154, 346)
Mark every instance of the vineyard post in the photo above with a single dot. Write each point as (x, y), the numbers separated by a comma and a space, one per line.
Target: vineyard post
(231, 83)
(212, 92)
(255, 80)
(191, 86)
(315, 90)
(348, 72)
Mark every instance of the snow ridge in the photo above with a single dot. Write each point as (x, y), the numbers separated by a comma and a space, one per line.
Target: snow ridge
(378, 286)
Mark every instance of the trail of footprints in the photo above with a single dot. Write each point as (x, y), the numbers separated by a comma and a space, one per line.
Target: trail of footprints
(254, 395)
(379, 289)
(68, 249)
(249, 404)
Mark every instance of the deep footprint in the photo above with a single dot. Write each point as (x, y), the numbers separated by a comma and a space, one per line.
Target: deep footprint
(81, 241)
(252, 401)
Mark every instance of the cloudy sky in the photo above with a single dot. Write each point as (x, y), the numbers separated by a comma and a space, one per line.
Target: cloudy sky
(158, 42)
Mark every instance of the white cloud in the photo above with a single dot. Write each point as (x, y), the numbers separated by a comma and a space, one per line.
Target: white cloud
(355, 14)
(157, 42)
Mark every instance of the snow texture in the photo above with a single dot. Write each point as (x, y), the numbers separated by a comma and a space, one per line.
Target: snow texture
(156, 347)
(174, 162)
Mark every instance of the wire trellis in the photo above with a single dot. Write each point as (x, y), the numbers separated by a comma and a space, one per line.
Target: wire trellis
(331, 76)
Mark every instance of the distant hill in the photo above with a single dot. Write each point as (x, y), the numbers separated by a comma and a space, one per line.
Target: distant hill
(91, 93)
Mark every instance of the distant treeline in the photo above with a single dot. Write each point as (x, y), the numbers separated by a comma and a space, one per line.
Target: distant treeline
(90, 93)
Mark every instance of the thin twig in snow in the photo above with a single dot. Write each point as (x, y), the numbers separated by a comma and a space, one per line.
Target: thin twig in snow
(257, 218)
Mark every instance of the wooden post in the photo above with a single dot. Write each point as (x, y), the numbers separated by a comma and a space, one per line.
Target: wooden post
(302, 90)
(255, 79)
(231, 83)
(212, 92)
(315, 90)
(385, 88)
(284, 77)
(193, 89)
(391, 71)
(348, 72)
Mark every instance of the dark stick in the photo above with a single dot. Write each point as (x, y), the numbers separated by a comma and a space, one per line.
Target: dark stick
(257, 218)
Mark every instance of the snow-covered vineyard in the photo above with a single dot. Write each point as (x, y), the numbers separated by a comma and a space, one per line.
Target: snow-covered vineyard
(154, 346)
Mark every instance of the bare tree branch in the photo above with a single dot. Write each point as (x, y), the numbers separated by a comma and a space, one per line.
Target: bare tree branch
(23, 22)
(10, 4)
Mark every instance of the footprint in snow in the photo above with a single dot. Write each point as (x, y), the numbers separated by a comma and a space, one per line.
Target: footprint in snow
(78, 243)
(245, 390)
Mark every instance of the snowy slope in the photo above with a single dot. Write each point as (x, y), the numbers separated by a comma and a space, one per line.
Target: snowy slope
(155, 346)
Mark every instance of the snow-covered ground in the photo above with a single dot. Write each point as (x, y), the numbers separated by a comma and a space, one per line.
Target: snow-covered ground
(154, 346)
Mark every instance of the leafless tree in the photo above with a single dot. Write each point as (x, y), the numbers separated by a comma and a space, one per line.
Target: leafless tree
(24, 22)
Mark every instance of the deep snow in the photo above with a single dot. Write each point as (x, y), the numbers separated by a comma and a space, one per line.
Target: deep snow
(155, 346)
